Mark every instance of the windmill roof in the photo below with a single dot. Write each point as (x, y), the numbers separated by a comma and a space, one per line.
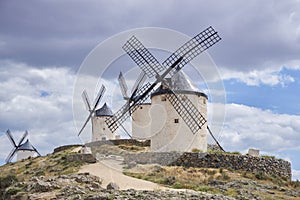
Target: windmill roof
(180, 83)
(26, 146)
(104, 111)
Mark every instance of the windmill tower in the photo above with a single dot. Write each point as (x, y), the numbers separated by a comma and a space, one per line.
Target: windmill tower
(185, 108)
(141, 122)
(99, 128)
(100, 131)
(174, 134)
(23, 150)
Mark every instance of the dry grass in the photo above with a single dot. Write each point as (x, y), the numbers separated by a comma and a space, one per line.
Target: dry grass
(50, 165)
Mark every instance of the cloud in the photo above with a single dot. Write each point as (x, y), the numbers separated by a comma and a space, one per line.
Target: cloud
(296, 174)
(249, 127)
(270, 77)
(55, 32)
(37, 100)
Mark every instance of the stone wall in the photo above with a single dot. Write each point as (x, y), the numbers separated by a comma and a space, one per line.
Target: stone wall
(266, 165)
(88, 158)
(145, 143)
(62, 148)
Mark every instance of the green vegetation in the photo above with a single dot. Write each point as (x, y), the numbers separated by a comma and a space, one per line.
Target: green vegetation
(196, 150)
(51, 165)
(5, 183)
(268, 156)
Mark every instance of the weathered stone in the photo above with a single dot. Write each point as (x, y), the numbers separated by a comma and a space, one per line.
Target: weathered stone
(112, 186)
(272, 166)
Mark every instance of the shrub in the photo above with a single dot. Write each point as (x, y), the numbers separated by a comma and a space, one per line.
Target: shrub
(196, 150)
(5, 182)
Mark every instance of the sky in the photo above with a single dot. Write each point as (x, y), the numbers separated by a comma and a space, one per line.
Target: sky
(44, 43)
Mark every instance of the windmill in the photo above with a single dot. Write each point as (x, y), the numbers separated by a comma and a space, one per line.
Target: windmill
(89, 107)
(23, 150)
(139, 129)
(174, 63)
(97, 116)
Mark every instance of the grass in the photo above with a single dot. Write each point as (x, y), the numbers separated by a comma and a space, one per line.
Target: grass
(180, 177)
(51, 165)
(201, 179)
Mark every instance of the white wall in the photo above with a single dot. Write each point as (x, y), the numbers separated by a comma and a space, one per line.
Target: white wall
(100, 130)
(171, 136)
(141, 122)
(24, 154)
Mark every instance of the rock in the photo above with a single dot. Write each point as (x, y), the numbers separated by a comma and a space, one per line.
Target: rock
(112, 186)
(38, 185)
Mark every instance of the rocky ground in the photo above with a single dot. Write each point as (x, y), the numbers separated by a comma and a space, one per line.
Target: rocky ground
(56, 177)
(88, 187)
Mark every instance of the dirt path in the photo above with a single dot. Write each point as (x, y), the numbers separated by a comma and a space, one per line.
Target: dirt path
(110, 170)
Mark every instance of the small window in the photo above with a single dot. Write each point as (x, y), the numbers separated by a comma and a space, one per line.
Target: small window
(204, 101)
(104, 129)
(141, 107)
(176, 121)
(163, 98)
(103, 138)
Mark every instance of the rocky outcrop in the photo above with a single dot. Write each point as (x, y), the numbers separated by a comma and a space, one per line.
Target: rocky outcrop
(87, 187)
(267, 165)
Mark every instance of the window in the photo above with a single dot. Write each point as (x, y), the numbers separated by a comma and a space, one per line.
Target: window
(176, 121)
(141, 107)
(204, 101)
(103, 138)
(163, 98)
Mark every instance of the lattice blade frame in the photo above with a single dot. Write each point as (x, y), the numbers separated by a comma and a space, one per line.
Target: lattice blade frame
(23, 137)
(86, 100)
(99, 96)
(142, 57)
(187, 111)
(192, 48)
(139, 82)
(85, 123)
(11, 155)
(11, 138)
(123, 113)
(123, 85)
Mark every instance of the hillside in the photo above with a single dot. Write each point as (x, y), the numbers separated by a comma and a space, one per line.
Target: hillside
(56, 176)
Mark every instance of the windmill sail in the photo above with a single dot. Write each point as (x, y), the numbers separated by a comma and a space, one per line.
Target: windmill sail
(96, 102)
(147, 62)
(86, 100)
(123, 85)
(20, 146)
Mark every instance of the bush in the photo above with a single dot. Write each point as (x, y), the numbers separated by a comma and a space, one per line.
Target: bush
(196, 150)
(5, 182)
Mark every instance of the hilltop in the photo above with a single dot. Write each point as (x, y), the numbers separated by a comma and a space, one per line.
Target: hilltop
(67, 174)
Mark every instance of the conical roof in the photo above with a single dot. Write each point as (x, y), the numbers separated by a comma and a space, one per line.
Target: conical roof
(27, 146)
(104, 111)
(180, 83)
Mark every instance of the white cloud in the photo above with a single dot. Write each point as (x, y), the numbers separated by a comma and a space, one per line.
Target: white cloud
(247, 127)
(37, 100)
(267, 76)
(296, 174)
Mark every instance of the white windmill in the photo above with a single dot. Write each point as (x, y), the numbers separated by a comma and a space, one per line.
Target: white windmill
(141, 126)
(23, 150)
(100, 131)
(184, 107)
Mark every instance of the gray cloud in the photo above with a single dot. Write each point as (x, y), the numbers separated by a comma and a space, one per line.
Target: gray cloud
(63, 32)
